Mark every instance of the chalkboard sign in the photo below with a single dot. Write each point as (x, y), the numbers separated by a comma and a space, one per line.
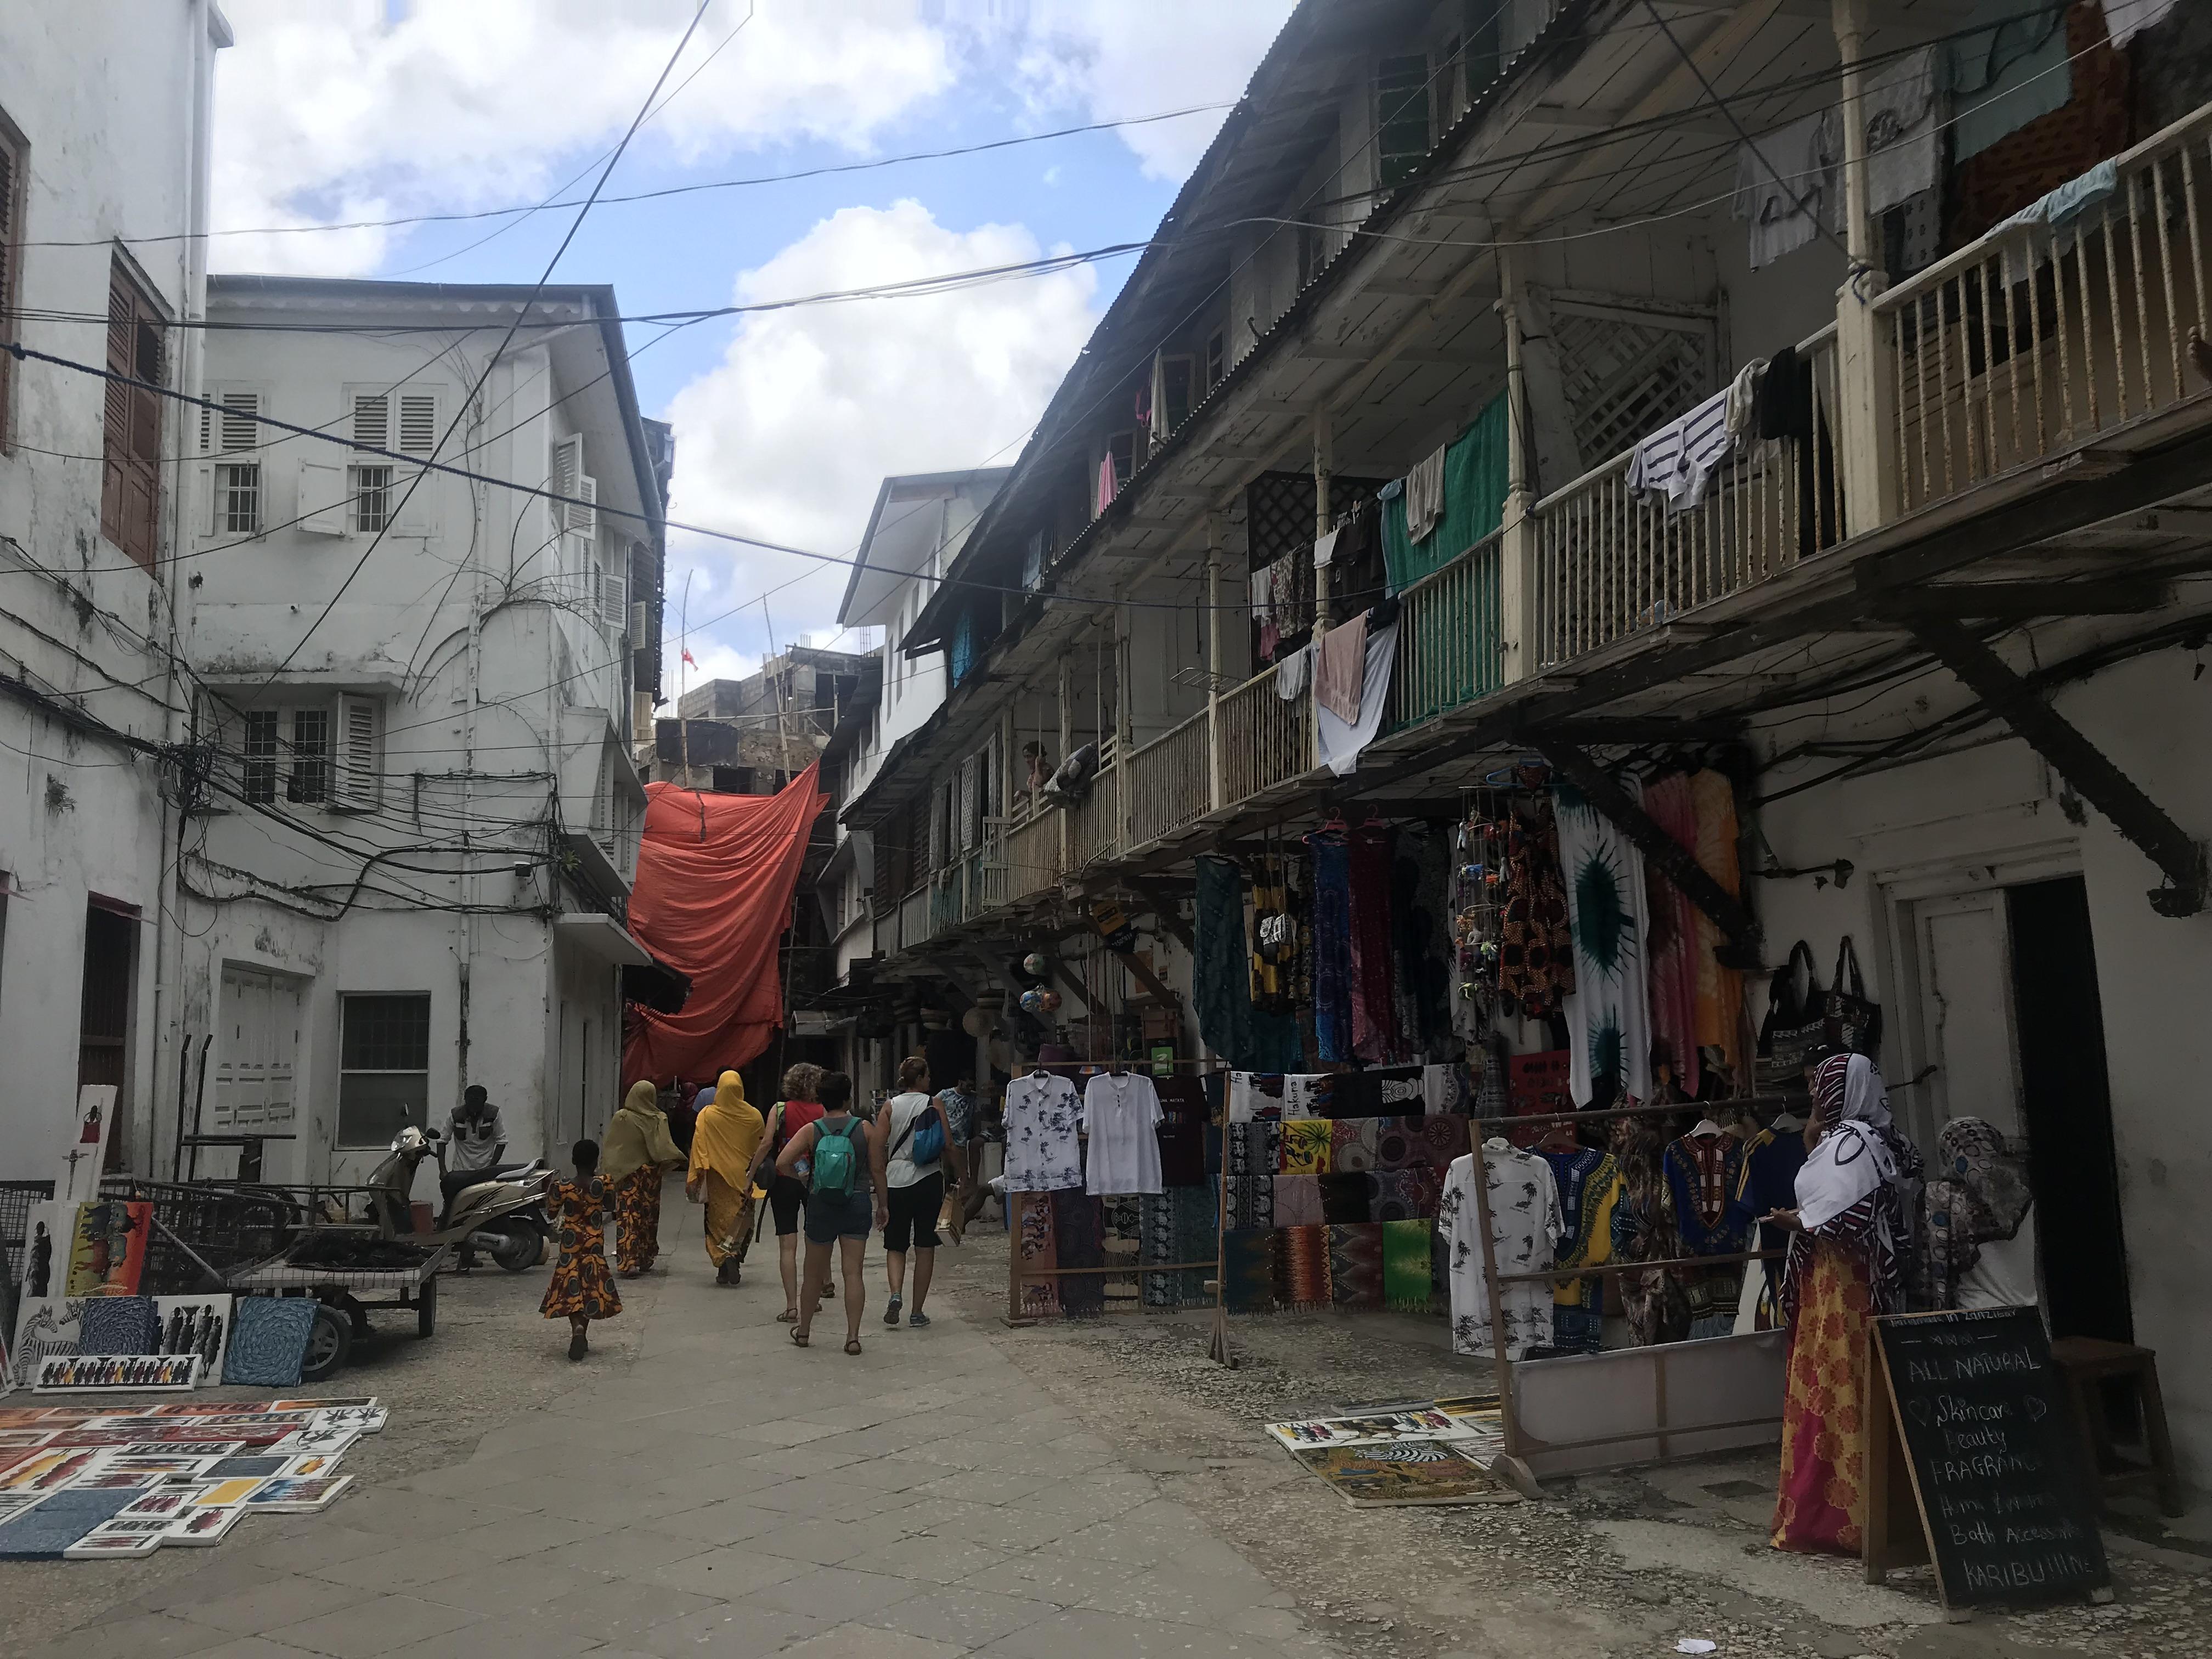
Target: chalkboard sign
(1974, 1459)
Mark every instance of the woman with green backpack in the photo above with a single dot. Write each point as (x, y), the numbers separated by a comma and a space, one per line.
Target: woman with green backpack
(845, 1172)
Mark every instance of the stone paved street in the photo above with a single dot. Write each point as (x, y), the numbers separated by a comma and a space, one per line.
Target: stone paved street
(705, 1487)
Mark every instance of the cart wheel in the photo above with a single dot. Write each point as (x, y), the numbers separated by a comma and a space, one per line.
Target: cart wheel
(426, 1309)
(328, 1343)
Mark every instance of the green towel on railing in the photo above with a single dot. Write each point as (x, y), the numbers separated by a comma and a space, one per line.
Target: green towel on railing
(1474, 501)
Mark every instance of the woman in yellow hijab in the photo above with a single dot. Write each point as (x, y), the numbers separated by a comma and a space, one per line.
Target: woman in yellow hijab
(638, 1152)
(724, 1145)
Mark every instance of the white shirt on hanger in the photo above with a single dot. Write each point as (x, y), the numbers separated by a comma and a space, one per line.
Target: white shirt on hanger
(1122, 1116)
(1043, 1115)
(1525, 1226)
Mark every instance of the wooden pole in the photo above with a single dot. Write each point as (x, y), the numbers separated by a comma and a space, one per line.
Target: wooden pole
(1501, 1366)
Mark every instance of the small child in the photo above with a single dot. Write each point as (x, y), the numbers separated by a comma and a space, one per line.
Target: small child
(582, 1289)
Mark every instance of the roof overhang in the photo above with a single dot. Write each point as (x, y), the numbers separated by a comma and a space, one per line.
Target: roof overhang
(597, 934)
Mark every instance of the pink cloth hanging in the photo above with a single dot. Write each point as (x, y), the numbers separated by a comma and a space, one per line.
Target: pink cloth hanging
(1341, 669)
(1672, 958)
(1107, 487)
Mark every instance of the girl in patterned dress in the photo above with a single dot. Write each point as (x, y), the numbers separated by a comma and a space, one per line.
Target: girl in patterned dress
(582, 1289)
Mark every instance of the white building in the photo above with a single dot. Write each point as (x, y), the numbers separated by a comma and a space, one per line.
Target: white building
(104, 116)
(409, 843)
(918, 523)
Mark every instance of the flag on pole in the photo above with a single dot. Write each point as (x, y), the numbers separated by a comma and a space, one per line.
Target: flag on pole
(689, 658)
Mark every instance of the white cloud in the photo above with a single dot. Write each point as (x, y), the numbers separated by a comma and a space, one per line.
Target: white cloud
(790, 436)
(1113, 59)
(337, 112)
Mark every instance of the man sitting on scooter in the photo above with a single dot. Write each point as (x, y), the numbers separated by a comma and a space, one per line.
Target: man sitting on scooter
(475, 1138)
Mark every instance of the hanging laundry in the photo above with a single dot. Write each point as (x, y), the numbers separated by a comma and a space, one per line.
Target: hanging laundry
(1325, 547)
(2004, 76)
(1424, 495)
(1743, 400)
(1343, 651)
(1338, 741)
(1609, 1028)
(2125, 19)
(1677, 461)
(1290, 673)
(1108, 486)
(1903, 119)
(2050, 225)
(1332, 944)
(1786, 184)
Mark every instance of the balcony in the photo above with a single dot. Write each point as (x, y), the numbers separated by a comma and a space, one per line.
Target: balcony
(1450, 642)
(2039, 338)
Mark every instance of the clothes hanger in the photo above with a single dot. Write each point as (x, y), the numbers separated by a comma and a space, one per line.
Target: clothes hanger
(1706, 1127)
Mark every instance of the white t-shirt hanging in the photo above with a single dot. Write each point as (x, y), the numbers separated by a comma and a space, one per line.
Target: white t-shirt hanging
(1123, 1114)
(1041, 1117)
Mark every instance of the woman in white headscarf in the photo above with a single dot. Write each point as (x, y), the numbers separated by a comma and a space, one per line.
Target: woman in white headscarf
(1849, 1249)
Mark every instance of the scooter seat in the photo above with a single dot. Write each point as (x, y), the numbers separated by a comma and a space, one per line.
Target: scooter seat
(458, 1180)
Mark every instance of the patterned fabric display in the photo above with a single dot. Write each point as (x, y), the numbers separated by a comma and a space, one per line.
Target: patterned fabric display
(1079, 1233)
(1302, 1267)
(119, 1324)
(1177, 1225)
(1251, 1200)
(1352, 1144)
(1355, 1265)
(268, 1340)
(1404, 1194)
(1407, 1275)
(1400, 1143)
(1446, 1138)
(1535, 963)
(1254, 1151)
(1306, 1144)
(1345, 1198)
(1040, 1254)
(1248, 1269)
(1298, 1200)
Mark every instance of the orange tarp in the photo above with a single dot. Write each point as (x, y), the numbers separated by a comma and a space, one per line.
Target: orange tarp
(714, 879)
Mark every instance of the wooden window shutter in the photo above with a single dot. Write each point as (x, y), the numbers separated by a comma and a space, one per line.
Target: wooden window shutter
(372, 421)
(241, 426)
(358, 752)
(418, 422)
(131, 451)
(584, 514)
(324, 498)
(11, 233)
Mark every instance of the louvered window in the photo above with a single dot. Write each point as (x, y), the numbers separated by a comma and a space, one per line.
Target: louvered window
(130, 448)
(12, 178)
(418, 422)
(236, 484)
(359, 755)
(372, 421)
(237, 427)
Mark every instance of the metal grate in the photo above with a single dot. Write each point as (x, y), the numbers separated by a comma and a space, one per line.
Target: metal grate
(225, 1228)
(1279, 511)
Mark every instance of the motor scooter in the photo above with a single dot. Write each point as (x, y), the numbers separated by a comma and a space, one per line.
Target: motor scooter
(499, 1210)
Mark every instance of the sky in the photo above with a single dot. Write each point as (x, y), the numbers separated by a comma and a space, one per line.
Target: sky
(341, 111)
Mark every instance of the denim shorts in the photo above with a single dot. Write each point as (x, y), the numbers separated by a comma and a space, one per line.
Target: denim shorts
(831, 1217)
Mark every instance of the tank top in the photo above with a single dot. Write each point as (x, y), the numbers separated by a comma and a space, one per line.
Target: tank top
(797, 1115)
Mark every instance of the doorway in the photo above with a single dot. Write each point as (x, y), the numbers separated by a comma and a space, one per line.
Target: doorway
(2008, 1018)
(110, 942)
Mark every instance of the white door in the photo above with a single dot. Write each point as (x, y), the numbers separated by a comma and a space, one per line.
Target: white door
(258, 1040)
(1965, 951)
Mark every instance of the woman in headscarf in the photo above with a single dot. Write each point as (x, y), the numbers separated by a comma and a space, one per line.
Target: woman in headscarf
(724, 1145)
(638, 1154)
(1850, 1242)
(1980, 1253)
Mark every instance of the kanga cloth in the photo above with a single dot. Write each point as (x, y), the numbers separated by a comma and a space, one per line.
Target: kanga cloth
(1248, 1269)
(729, 1227)
(1302, 1267)
(1306, 1144)
(1352, 1144)
(637, 1220)
(1078, 1224)
(1820, 1505)
(1040, 1297)
(580, 1285)
(1251, 1200)
(1406, 1264)
(1355, 1265)
(1400, 1143)
(119, 1324)
(1446, 1138)
(1344, 1197)
(1404, 1194)
(1608, 1011)
(1298, 1201)
(1180, 1224)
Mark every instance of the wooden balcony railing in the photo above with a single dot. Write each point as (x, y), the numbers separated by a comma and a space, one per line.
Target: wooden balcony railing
(2030, 342)
(1170, 781)
(1450, 646)
(1265, 739)
(1611, 562)
(1031, 854)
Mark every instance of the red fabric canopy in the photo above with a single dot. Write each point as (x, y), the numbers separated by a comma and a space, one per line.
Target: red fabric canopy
(714, 879)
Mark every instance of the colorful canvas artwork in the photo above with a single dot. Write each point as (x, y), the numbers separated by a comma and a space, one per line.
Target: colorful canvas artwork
(161, 1463)
(1406, 1471)
(49, 1471)
(164, 1503)
(16, 1439)
(43, 1533)
(313, 1464)
(45, 1325)
(253, 1464)
(363, 1418)
(195, 1324)
(110, 1543)
(299, 1497)
(82, 1372)
(332, 1441)
(15, 1503)
(108, 1255)
(369, 1400)
(224, 1493)
(201, 1527)
(77, 1175)
(113, 1480)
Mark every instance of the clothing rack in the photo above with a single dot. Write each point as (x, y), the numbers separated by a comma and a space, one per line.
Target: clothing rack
(1517, 1445)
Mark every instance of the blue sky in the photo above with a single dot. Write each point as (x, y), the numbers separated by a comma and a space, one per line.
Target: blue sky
(371, 108)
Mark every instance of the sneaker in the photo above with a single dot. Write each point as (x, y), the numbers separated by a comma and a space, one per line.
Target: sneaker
(919, 1322)
(891, 1311)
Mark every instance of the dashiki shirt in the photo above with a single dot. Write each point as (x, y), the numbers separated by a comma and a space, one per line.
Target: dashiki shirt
(1702, 1173)
(1524, 1226)
(1588, 1182)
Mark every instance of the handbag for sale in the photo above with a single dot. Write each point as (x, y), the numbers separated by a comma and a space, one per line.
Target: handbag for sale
(1797, 1021)
(1852, 1021)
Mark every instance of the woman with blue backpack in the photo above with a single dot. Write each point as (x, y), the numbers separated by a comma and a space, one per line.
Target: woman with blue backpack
(844, 1170)
(912, 1137)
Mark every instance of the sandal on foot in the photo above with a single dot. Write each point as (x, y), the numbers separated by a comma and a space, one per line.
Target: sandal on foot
(798, 1337)
(852, 1344)
(917, 1320)
(788, 1317)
